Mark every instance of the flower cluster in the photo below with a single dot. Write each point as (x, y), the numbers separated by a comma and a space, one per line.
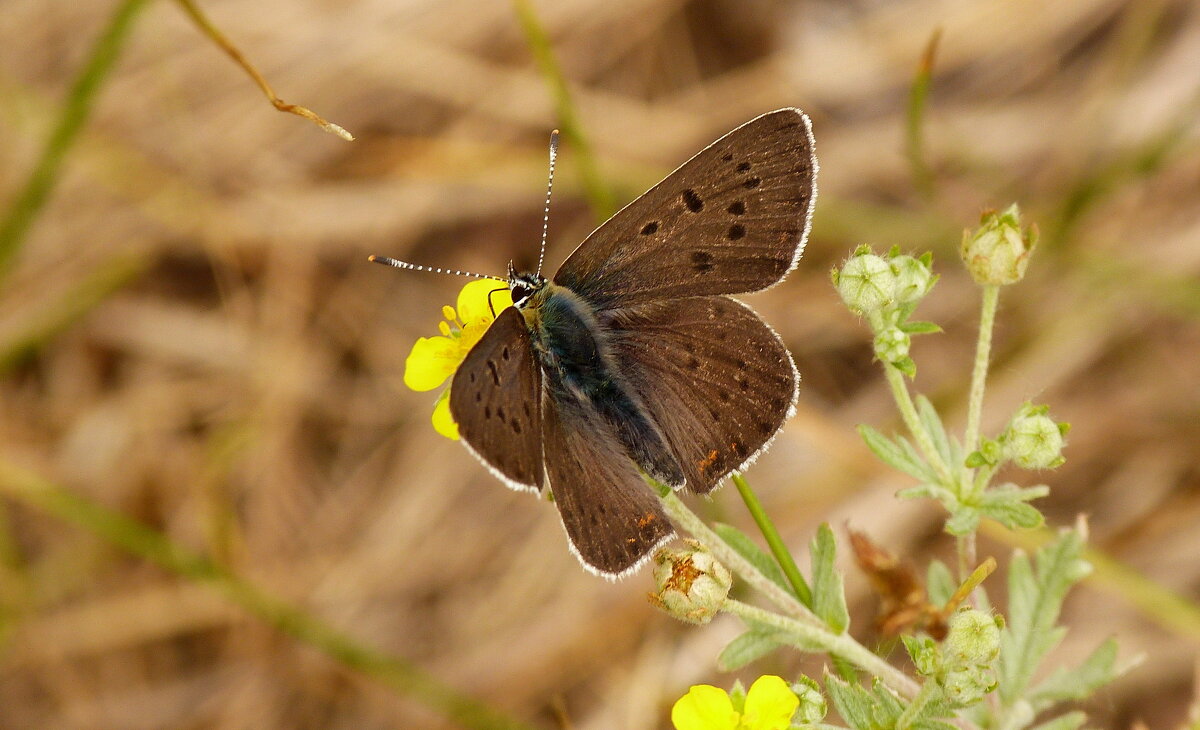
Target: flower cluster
(433, 360)
(769, 705)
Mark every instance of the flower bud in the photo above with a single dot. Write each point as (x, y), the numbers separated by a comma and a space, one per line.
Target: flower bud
(969, 684)
(974, 637)
(866, 283)
(998, 251)
(891, 344)
(1033, 440)
(692, 585)
(812, 708)
(914, 278)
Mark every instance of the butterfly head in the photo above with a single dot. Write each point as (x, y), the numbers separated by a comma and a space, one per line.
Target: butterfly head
(523, 285)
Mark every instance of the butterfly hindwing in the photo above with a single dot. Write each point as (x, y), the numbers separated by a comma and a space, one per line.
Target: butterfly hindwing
(714, 377)
(496, 401)
(612, 518)
(732, 219)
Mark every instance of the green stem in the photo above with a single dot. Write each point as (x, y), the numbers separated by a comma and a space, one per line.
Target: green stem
(983, 353)
(732, 559)
(600, 198)
(908, 412)
(774, 541)
(812, 638)
(33, 197)
(134, 537)
(929, 690)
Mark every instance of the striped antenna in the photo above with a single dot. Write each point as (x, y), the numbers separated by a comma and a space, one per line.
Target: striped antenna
(416, 267)
(549, 187)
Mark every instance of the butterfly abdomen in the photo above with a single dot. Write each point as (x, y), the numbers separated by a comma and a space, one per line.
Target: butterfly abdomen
(571, 348)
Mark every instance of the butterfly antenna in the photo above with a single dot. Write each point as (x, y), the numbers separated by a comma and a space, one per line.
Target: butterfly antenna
(388, 261)
(549, 188)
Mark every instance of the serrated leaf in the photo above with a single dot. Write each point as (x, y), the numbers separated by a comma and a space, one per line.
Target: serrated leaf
(746, 648)
(933, 425)
(893, 454)
(920, 328)
(1096, 671)
(852, 702)
(750, 550)
(1034, 602)
(915, 457)
(939, 583)
(1069, 721)
(888, 707)
(829, 597)
(845, 668)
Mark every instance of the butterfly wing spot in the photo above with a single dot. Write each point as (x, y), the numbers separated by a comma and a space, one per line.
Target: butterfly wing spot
(504, 354)
(723, 395)
(741, 364)
(495, 371)
(702, 262)
(500, 413)
(737, 207)
(707, 461)
(693, 363)
(693, 201)
(650, 228)
(478, 396)
(752, 183)
(743, 167)
(727, 157)
(739, 449)
(516, 426)
(743, 383)
(646, 519)
(487, 412)
(736, 231)
(714, 414)
(766, 429)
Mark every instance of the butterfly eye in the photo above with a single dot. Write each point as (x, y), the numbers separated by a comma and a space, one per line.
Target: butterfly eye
(520, 293)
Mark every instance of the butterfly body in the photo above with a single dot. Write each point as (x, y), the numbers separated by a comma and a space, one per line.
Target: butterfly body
(632, 360)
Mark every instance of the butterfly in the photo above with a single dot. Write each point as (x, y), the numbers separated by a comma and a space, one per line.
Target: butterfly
(633, 360)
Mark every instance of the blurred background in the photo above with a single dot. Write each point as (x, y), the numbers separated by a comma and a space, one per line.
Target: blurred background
(191, 336)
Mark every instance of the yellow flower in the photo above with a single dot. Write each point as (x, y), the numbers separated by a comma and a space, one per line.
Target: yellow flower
(769, 705)
(433, 360)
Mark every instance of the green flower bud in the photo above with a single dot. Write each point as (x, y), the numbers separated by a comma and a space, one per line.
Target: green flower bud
(1033, 440)
(914, 279)
(974, 637)
(998, 251)
(866, 283)
(925, 654)
(891, 344)
(968, 684)
(692, 585)
(812, 707)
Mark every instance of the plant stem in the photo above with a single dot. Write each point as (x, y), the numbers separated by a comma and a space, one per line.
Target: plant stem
(929, 690)
(600, 198)
(732, 559)
(812, 638)
(135, 537)
(908, 412)
(774, 541)
(983, 352)
(33, 196)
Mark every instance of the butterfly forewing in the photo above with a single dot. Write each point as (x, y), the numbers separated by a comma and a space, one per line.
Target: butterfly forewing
(613, 520)
(713, 376)
(732, 219)
(496, 401)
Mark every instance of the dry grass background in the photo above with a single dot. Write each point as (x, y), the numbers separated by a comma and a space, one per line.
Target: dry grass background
(212, 354)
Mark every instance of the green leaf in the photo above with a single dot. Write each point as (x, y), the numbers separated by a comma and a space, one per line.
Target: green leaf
(920, 328)
(906, 365)
(1096, 671)
(963, 521)
(895, 455)
(751, 645)
(845, 668)
(888, 708)
(1069, 721)
(853, 702)
(750, 550)
(933, 424)
(924, 653)
(940, 583)
(1007, 504)
(1034, 601)
(829, 597)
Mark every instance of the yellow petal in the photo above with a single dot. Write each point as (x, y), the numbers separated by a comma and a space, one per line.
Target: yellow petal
(473, 300)
(443, 422)
(431, 361)
(704, 707)
(770, 704)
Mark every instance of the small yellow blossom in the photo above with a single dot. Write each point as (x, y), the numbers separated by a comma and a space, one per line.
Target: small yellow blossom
(433, 360)
(769, 705)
